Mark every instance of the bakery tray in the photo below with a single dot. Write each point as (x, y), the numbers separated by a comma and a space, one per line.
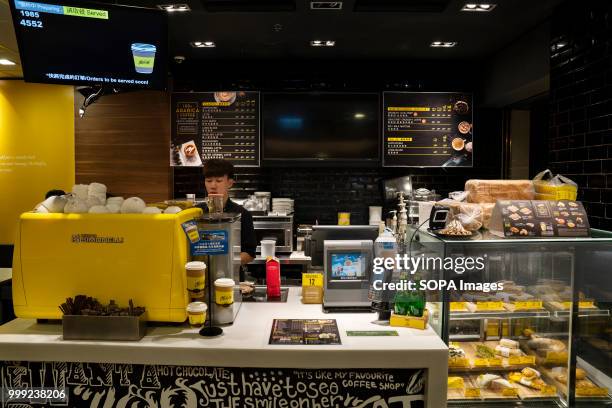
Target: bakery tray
(481, 365)
(124, 328)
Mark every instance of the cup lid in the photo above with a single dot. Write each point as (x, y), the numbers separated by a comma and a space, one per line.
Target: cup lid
(195, 266)
(196, 307)
(225, 283)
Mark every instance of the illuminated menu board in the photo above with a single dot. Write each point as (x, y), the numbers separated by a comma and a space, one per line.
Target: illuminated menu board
(215, 125)
(427, 129)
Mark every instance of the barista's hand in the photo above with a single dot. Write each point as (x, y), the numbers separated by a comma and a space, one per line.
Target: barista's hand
(245, 258)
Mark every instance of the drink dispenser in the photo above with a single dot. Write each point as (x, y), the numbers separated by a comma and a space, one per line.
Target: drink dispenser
(219, 248)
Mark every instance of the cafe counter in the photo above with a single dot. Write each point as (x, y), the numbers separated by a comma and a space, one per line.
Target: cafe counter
(240, 365)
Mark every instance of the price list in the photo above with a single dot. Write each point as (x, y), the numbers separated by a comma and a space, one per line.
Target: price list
(427, 129)
(225, 126)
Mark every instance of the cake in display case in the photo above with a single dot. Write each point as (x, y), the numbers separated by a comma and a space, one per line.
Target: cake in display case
(527, 321)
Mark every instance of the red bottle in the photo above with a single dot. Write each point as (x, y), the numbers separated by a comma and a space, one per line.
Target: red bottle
(273, 279)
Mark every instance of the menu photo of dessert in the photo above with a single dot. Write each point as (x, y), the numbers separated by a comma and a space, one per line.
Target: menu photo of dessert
(185, 154)
(520, 219)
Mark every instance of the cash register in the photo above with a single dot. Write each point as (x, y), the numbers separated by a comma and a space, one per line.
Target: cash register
(347, 270)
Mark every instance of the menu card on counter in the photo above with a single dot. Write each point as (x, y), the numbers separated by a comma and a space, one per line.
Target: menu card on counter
(542, 219)
(304, 331)
(427, 129)
(215, 125)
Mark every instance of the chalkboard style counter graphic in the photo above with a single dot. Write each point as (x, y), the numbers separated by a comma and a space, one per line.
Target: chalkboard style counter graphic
(428, 129)
(215, 125)
(95, 385)
(173, 366)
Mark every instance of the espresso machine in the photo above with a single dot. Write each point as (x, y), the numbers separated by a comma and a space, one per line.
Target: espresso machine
(219, 248)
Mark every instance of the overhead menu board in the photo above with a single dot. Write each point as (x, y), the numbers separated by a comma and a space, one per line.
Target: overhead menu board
(215, 125)
(427, 129)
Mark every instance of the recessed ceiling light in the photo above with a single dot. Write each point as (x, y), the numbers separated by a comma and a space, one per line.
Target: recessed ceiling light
(478, 7)
(359, 115)
(443, 44)
(5, 61)
(322, 43)
(326, 5)
(171, 8)
(203, 44)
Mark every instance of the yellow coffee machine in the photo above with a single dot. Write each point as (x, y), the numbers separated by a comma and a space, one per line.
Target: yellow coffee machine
(107, 256)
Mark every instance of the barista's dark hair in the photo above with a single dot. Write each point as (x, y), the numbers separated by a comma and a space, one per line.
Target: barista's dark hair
(218, 168)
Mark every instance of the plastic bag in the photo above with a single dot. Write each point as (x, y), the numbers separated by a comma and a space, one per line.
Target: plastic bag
(469, 215)
(556, 188)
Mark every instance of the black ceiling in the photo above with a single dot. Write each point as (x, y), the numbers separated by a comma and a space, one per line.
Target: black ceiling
(363, 29)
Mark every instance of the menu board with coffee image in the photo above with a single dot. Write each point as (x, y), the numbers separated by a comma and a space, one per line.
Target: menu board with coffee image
(215, 125)
(427, 129)
(525, 219)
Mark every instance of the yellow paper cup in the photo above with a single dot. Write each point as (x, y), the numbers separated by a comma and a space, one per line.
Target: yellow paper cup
(197, 313)
(344, 218)
(224, 291)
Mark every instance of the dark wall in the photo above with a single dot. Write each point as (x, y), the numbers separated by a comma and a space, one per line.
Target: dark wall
(580, 137)
(320, 192)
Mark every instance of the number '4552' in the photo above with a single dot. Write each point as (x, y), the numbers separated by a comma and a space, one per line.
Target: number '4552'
(30, 23)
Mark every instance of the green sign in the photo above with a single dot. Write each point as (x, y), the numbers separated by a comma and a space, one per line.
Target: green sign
(85, 12)
(375, 333)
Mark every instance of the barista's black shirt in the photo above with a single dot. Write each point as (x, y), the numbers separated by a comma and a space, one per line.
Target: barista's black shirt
(248, 239)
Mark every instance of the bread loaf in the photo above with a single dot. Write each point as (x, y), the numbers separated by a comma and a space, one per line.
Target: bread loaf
(489, 191)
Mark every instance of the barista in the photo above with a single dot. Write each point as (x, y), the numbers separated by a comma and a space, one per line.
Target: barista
(218, 179)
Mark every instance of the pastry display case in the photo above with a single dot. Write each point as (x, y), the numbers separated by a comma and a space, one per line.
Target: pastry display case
(527, 321)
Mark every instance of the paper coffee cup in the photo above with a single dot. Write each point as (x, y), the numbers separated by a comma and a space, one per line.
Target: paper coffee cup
(196, 278)
(197, 313)
(224, 291)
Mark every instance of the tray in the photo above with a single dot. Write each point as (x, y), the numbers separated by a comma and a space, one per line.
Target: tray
(470, 353)
(125, 328)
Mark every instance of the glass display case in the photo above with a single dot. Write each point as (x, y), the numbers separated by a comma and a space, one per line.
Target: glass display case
(527, 320)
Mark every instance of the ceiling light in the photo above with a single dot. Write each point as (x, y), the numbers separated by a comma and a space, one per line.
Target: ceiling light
(443, 44)
(171, 8)
(322, 43)
(478, 7)
(326, 5)
(203, 44)
(5, 61)
(359, 115)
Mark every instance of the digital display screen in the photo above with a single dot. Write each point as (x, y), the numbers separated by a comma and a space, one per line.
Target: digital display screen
(321, 126)
(79, 43)
(440, 216)
(348, 266)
